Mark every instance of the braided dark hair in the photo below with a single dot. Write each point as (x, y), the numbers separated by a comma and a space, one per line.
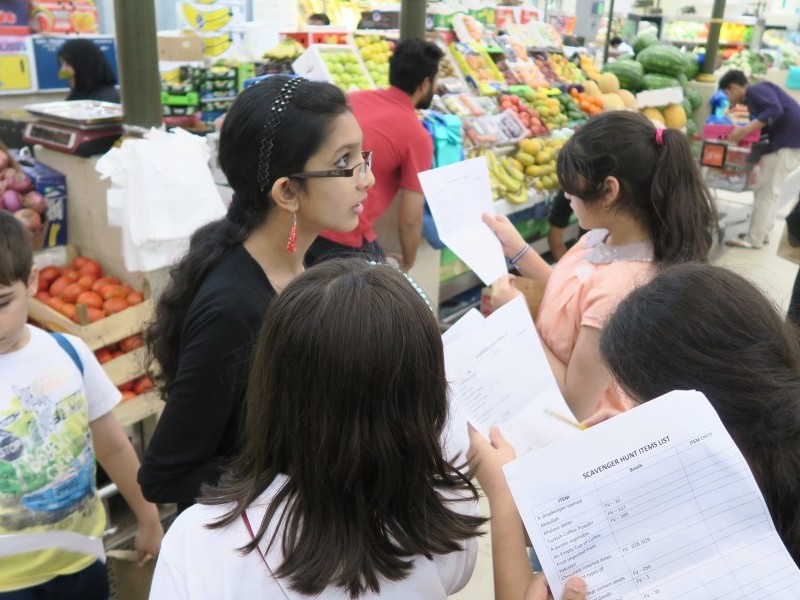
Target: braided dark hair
(305, 124)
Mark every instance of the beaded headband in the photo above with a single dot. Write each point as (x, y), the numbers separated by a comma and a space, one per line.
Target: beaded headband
(271, 127)
(413, 283)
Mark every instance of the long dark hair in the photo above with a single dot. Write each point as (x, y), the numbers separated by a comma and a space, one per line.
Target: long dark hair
(706, 328)
(347, 396)
(660, 183)
(304, 126)
(90, 65)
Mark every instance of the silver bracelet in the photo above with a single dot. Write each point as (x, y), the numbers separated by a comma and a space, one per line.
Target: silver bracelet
(513, 262)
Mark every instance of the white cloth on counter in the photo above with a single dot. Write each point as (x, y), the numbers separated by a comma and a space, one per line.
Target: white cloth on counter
(161, 192)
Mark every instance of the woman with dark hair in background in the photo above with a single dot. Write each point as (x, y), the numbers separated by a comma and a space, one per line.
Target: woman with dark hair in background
(291, 150)
(88, 72)
(341, 489)
(640, 193)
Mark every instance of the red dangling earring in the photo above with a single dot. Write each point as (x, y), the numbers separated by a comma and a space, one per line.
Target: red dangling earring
(291, 245)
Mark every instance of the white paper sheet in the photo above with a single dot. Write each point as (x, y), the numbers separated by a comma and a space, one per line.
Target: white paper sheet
(499, 374)
(458, 195)
(655, 503)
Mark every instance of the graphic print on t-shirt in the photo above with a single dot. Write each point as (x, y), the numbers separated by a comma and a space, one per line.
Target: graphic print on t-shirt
(46, 458)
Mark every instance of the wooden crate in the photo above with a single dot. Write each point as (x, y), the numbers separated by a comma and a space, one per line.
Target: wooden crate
(96, 335)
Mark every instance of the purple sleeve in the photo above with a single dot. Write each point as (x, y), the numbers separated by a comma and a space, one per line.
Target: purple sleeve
(764, 103)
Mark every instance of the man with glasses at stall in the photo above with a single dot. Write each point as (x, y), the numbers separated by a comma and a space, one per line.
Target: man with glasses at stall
(402, 148)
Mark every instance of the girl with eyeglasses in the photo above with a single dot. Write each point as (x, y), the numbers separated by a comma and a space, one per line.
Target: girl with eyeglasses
(291, 150)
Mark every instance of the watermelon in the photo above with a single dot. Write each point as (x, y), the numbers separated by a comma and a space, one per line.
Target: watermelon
(687, 106)
(656, 81)
(629, 73)
(645, 40)
(692, 67)
(681, 77)
(666, 60)
(694, 97)
(625, 57)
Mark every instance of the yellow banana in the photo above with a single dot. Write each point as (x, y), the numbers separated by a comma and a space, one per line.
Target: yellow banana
(209, 20)
(217, 45)
(511, 169)
(520, 197)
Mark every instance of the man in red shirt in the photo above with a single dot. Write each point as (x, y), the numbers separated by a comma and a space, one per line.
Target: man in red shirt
(401, 148)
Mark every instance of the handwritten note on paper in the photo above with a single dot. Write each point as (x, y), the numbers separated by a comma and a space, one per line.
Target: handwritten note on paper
(499, 374)
(458, 195)
(657, 502)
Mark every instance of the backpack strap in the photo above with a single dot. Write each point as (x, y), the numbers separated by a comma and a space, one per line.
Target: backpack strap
(67, 347)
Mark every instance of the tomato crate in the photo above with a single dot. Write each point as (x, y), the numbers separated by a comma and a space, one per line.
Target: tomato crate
(96, 335)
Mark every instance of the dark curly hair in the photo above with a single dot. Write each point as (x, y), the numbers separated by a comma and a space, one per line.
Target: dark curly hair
(304, 126)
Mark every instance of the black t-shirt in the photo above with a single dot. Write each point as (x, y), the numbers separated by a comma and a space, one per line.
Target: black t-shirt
(560, 211)
(105, 93)
(199, 429)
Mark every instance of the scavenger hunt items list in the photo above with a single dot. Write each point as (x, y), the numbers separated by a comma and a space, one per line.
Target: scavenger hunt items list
(655, 503)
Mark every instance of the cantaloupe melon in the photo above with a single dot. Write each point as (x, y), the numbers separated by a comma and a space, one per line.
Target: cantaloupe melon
(629, 99)
(608, 82)
(675, 116)
(591, 88)
(612, 102)
(654, 115)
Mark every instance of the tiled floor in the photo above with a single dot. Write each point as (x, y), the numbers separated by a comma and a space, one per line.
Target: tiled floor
(774, 275)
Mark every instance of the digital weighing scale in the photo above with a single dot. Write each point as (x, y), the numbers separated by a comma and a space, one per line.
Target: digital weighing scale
(82, 127)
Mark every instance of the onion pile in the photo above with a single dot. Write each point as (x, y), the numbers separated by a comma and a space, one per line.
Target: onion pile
(18, 196)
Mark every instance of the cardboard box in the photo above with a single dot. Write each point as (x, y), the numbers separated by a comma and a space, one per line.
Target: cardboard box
(14, 17)
(380, 19)
(63, 16)
(179, 47)
(53, 186)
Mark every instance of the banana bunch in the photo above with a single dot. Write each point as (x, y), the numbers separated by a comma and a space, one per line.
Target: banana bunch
(287, 49)
(207, 20)
(507, 178)
(219, 44)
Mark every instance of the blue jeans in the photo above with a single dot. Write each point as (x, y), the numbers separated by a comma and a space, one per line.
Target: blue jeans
(89, 584)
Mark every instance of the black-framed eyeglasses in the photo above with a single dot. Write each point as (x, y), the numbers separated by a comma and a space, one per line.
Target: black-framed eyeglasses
(360, 169)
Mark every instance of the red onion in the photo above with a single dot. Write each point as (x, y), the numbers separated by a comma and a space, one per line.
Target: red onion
(21, 182)
(4, 160)
(12, 200)
(9, 173)
(30, 218)
(35, 201)
(3, 187)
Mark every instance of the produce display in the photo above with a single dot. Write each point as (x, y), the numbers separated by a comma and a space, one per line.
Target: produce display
(17, 196)
(748, 62)
(539, 157)
(376, 52)
(477, 64)
(589, 67)
(529, 74)
(546, 103)
(346, 70)
(82, 293)
(564, 69)
(137, 386)
(529, 116)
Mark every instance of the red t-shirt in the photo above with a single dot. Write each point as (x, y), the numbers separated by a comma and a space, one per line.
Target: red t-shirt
(401, 148)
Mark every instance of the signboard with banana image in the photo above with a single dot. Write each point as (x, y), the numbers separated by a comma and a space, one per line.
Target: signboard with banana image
(219, 23)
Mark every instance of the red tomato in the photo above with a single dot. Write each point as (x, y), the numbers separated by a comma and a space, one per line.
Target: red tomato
(112, 290)
(114, 305)
(143, 384)
(49, 274)
(43, 297)
(79, 262)
(103, 355)
(70, 274)
(87, 281)
(90, 299)
(128, 395)
(55, 303)
(126, 387)
(117, 353)
(69, 311)
(135, 298)
(95, 314)
(58, 286)
(91, 268)
(42, 285)
(131, 343)
(71, 292)
(101, 281)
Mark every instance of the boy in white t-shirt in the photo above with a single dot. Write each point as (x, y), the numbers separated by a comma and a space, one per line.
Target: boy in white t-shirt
(55, 419)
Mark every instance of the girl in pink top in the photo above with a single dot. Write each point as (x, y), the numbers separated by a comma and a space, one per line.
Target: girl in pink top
(640, 193)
